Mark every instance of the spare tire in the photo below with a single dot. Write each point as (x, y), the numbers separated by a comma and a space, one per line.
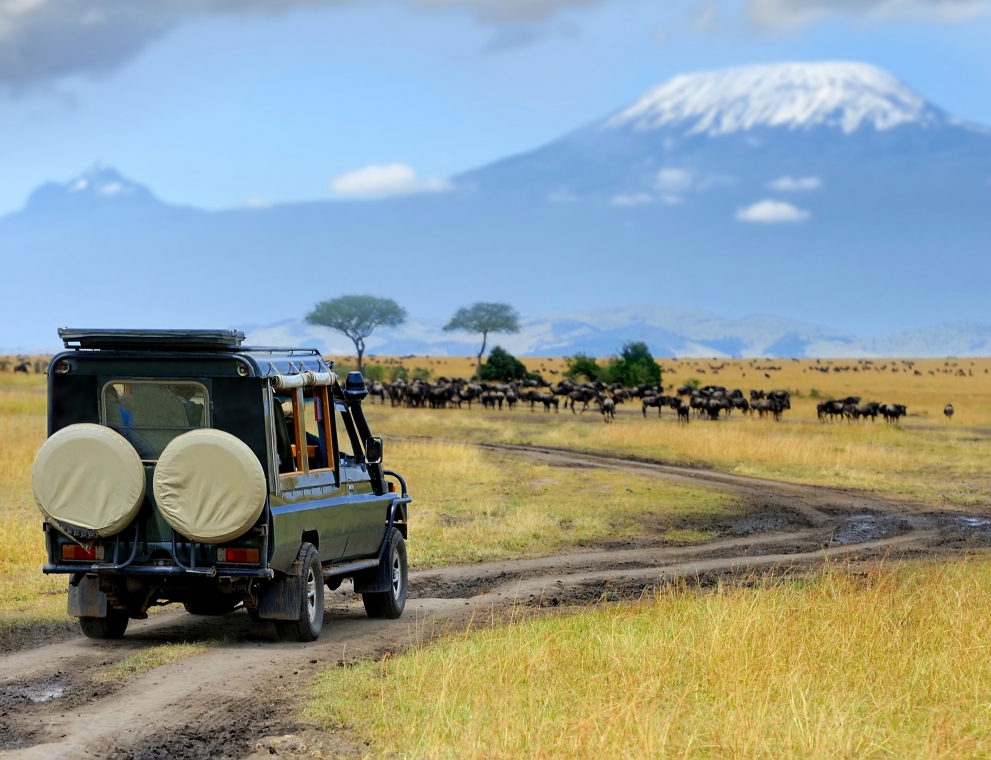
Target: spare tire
(209, 486)
(89, 478)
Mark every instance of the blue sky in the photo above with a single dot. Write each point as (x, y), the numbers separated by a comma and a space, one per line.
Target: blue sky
(219, 103)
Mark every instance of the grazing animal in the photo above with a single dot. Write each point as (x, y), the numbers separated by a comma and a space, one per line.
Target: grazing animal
(608, 409)
(891, 412)
(23, 367)
(948, 411)
(683, 412)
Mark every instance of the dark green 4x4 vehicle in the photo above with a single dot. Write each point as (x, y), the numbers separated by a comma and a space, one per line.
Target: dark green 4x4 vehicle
(183, 467)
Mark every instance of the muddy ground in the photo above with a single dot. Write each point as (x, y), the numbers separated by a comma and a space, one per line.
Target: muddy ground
(241, 697)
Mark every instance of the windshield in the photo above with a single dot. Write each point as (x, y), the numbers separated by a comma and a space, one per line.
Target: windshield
(150, 415)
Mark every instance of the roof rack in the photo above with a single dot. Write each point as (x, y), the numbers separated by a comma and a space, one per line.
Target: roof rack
(152, 340)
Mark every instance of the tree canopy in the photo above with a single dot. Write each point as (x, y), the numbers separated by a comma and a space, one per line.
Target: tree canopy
(634, 365)
(582, 365)
(484, 318)
(357, 317)
(502, 366)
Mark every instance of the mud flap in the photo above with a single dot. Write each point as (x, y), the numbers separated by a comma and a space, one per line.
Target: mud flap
(377, 580)
(86, 599)
(281, 598)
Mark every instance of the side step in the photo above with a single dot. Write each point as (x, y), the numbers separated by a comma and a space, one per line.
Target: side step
(348, 567)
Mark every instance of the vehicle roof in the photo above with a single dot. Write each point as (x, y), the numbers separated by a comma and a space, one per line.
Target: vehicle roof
(269, 360)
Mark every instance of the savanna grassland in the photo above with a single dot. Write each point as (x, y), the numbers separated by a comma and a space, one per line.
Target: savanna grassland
(925, 458)
(892, 664)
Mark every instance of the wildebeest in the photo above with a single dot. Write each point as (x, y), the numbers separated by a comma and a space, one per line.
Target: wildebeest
(683, 410)
(24, 367)
(948, 411)
(891, 412)
(608, 408)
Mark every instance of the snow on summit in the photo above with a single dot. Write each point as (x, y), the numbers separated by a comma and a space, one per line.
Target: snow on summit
(846, 96)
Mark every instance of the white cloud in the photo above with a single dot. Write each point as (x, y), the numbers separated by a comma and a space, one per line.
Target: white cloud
(633, 199)
(795, 183)
(380, 180)
(771, 212)
(674, 180)
(790, 14)
(253, 201)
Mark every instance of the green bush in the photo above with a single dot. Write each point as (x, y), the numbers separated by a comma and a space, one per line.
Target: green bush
(502, 366)
(397, 372)
(375, 372)
(583, 366)
(419, 373)
(633, 366)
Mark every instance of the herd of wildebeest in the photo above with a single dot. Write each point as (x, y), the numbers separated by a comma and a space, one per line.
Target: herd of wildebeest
(708, 402)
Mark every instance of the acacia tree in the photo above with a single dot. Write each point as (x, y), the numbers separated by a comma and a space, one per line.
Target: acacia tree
(357, 317)
(485, 318)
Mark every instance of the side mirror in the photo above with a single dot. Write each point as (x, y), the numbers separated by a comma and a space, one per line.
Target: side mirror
(373, 450)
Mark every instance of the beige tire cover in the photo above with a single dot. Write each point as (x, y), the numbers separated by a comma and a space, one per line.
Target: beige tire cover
(209, 486)
(89, 476)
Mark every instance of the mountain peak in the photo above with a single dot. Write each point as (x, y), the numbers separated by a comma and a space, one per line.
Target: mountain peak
(796, 96)
(101, 185)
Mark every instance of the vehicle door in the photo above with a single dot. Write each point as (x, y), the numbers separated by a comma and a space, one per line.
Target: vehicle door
(312, 499)
(367, 510)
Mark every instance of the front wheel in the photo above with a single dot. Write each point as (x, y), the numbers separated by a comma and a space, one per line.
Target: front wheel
(110, 627)
(309, 623)
(391, 603)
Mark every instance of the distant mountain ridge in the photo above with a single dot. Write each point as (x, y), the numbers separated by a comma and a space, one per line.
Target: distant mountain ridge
(828, 192)
(667, 332)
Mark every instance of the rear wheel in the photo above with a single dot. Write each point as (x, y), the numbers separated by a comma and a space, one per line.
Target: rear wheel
(110, 627)
(391, 603)
(308, 625)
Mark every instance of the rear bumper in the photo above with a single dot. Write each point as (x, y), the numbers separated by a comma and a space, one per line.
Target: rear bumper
(198, 572)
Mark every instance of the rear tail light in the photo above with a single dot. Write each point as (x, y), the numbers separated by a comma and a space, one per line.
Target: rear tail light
(231, 554)
(392, 487)
(77, 552)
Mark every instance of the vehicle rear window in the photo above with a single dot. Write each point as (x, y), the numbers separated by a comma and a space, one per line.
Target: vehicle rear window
(151, 414)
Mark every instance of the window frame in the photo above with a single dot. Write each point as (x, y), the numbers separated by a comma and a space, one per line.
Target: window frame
(301, 461)
(207, 417)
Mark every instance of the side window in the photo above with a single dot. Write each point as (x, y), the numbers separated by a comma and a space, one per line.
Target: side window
(149, 415)
(304, 432)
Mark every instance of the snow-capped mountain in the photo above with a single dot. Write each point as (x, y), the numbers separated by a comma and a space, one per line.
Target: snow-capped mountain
(844, 96)
(828, 193)
(731, 133)
(99, 187)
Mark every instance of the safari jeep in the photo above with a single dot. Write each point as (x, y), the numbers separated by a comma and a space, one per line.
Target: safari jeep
(181, 467)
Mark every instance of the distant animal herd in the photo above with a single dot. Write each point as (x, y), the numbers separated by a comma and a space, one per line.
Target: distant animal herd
(709, 402)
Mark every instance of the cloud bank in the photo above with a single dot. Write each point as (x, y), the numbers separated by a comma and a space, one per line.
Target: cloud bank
(42, 40)
(790, 14)
(795, 183)
(380, 180)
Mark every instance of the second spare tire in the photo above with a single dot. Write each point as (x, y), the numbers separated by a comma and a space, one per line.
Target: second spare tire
(209, 486)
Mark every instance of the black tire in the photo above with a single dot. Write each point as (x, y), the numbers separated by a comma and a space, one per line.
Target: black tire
(110, 627)
(390, 604)
(308, 625)
(211, 604)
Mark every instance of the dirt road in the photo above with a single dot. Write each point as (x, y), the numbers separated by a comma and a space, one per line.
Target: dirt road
(237, 699)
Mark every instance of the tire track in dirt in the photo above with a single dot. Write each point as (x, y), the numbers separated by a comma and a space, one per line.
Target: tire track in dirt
(244, 687)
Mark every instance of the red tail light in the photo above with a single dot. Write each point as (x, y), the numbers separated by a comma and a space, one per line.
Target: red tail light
(231, 554)
(77, 552)
(392, 487)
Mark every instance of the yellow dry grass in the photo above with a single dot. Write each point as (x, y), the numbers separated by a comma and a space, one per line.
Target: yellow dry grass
(26, 596)
(894, 664)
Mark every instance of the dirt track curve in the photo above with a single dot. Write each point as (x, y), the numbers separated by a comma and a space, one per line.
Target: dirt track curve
(237, 699)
